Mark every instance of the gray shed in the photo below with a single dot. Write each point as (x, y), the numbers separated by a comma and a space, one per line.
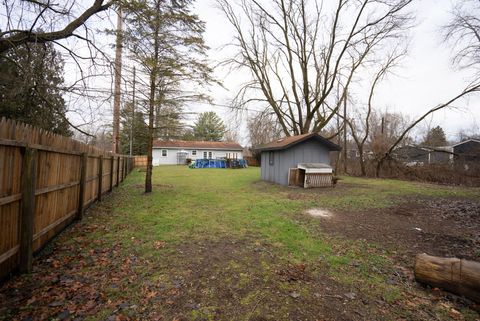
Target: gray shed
(281, 155)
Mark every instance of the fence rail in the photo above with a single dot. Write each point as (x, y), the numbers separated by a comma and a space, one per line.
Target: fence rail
(46, 182)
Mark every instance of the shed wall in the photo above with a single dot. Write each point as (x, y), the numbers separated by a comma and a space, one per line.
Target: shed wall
(310, 151)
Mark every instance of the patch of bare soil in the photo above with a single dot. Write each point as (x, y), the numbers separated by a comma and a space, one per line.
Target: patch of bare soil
(243, 280)
(442, 227)
(319, 212)
(202, 280)
(158, 186)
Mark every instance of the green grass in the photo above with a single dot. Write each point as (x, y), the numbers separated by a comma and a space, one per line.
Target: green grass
(210, 205)
(216, 203)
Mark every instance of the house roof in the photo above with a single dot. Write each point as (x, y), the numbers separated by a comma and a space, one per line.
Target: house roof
(196, 144)
(290, 141)
(466, 141)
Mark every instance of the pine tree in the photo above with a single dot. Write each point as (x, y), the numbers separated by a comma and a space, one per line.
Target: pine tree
(166, 40)
(209, 127)
(30, 87)
(139, 132)
(435, 137)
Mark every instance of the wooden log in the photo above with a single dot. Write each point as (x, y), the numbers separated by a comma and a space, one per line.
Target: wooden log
(458, 276)
(29, 170)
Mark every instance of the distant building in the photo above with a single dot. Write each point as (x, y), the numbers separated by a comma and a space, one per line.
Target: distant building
(279, 156)
(171, 152)
(466, 153)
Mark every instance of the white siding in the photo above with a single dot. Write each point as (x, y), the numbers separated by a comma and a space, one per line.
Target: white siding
(171, 158)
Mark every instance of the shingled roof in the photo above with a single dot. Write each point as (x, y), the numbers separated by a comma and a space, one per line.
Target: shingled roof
(290, 141)
(196, 144)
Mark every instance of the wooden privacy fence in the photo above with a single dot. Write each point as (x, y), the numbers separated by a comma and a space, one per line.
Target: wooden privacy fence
(252, 161)
(46, 182)
(140, 161)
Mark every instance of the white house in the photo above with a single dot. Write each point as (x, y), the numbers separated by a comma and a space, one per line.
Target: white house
(172, 152)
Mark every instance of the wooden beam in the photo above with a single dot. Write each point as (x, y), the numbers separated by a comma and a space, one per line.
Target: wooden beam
(100, 178)
(118, 171)
(29, 170)
(112, 161)
(83, 179)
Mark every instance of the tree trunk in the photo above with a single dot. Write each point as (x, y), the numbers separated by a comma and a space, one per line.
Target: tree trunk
(151, 114)
(362, 161)
(118, 79)
(455, 275)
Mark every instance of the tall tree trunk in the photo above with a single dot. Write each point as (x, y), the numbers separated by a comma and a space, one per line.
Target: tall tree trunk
(362, 161)
(118, 79)
(151, 119)
(345, 155)
(151, 107)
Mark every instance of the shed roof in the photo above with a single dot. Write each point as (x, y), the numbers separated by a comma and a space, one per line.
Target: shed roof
(196, 144)
(290, 141)
(314, 165)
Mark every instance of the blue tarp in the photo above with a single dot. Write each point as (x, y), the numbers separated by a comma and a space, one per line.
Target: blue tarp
(219, 163)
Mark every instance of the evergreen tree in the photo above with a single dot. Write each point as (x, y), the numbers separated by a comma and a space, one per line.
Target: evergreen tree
(209, 127)
(30, 87)
(169, 122)
(166, 40)
(138, 133)
(435, 137)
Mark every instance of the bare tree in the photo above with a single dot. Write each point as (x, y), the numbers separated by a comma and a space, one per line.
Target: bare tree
(360, 128)
(263, 128)
(463, 33)
(20, 30)
(299, 52)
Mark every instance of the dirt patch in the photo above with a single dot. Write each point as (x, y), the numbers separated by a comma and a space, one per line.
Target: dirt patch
(159, 186)
(200, 280)
(319, 212)
(226, 279)
(442, 227)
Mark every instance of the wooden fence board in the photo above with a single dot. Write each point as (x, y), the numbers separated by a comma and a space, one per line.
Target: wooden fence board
(57, 190)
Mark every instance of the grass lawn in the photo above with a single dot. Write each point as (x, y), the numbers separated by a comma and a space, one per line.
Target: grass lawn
(217, 244)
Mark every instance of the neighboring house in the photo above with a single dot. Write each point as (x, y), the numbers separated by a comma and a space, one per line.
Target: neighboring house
(171, 152)
(467, 152)
(280, 155)
(412, 155)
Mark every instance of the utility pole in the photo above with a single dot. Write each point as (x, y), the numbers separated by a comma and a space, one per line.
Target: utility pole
(118, 78)
(345, 132)
(133, 111)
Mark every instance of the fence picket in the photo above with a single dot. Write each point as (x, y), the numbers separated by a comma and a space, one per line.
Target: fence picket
(46, 181)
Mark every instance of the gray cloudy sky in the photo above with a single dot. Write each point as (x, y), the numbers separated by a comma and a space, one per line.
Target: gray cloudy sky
(425, 79)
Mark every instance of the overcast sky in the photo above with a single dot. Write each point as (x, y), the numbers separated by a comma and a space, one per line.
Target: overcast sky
(425, 79)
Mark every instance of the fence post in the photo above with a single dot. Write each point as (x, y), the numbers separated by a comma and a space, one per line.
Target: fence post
(118, 170)
(29, 170)
(100, 178)
(112, 159)
(124, 167)
(83, 180)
